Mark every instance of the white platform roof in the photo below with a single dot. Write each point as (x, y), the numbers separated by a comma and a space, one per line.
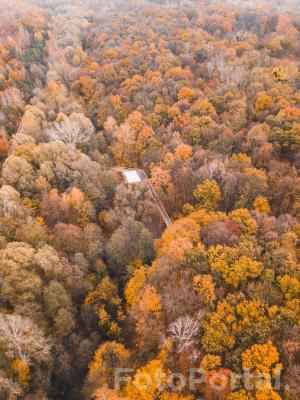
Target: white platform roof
(132, 176)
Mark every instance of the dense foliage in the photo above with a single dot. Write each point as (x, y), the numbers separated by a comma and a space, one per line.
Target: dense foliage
(205, 97)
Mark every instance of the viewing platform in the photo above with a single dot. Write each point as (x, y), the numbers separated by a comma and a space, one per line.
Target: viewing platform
(135, 176)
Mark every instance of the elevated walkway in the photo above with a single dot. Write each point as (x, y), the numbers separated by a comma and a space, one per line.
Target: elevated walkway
(135, 176)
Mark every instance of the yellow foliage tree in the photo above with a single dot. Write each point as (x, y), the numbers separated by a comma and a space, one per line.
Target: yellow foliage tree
(210, 362)
(183, 151)
(208, 195)
(106, 304)
(75, 201)
(251, 312)
(242, 218)
(240, 395)
(261, 204)
(279, 75)
(187, 94)
(263, 101)
(135, 285)
(174, 396)
(267, 395)
(204, 285)
(242, 159)
(175, 73)
(234, 272)
(107, 358)
(178, 249)
(260, 358)
(289, 286)
(184, 228)
(150, 301)
(203, 107)
(242, 270)
(218, 329)
(148, 382)
(22, 370)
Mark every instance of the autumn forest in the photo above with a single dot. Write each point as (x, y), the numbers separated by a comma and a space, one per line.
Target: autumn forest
(98, 297)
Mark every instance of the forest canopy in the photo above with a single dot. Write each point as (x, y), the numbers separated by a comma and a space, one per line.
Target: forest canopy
(204, 96)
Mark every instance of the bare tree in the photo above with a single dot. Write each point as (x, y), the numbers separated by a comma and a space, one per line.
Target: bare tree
(64, 69)
(229, 74)
(11, 96)
(23, 339)
(23, 40)
(184, 331)
(10, 389)
(72, 130)
(10, 203)
(213, 169)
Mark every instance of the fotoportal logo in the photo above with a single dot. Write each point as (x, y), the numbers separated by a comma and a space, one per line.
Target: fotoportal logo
(197, 379)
